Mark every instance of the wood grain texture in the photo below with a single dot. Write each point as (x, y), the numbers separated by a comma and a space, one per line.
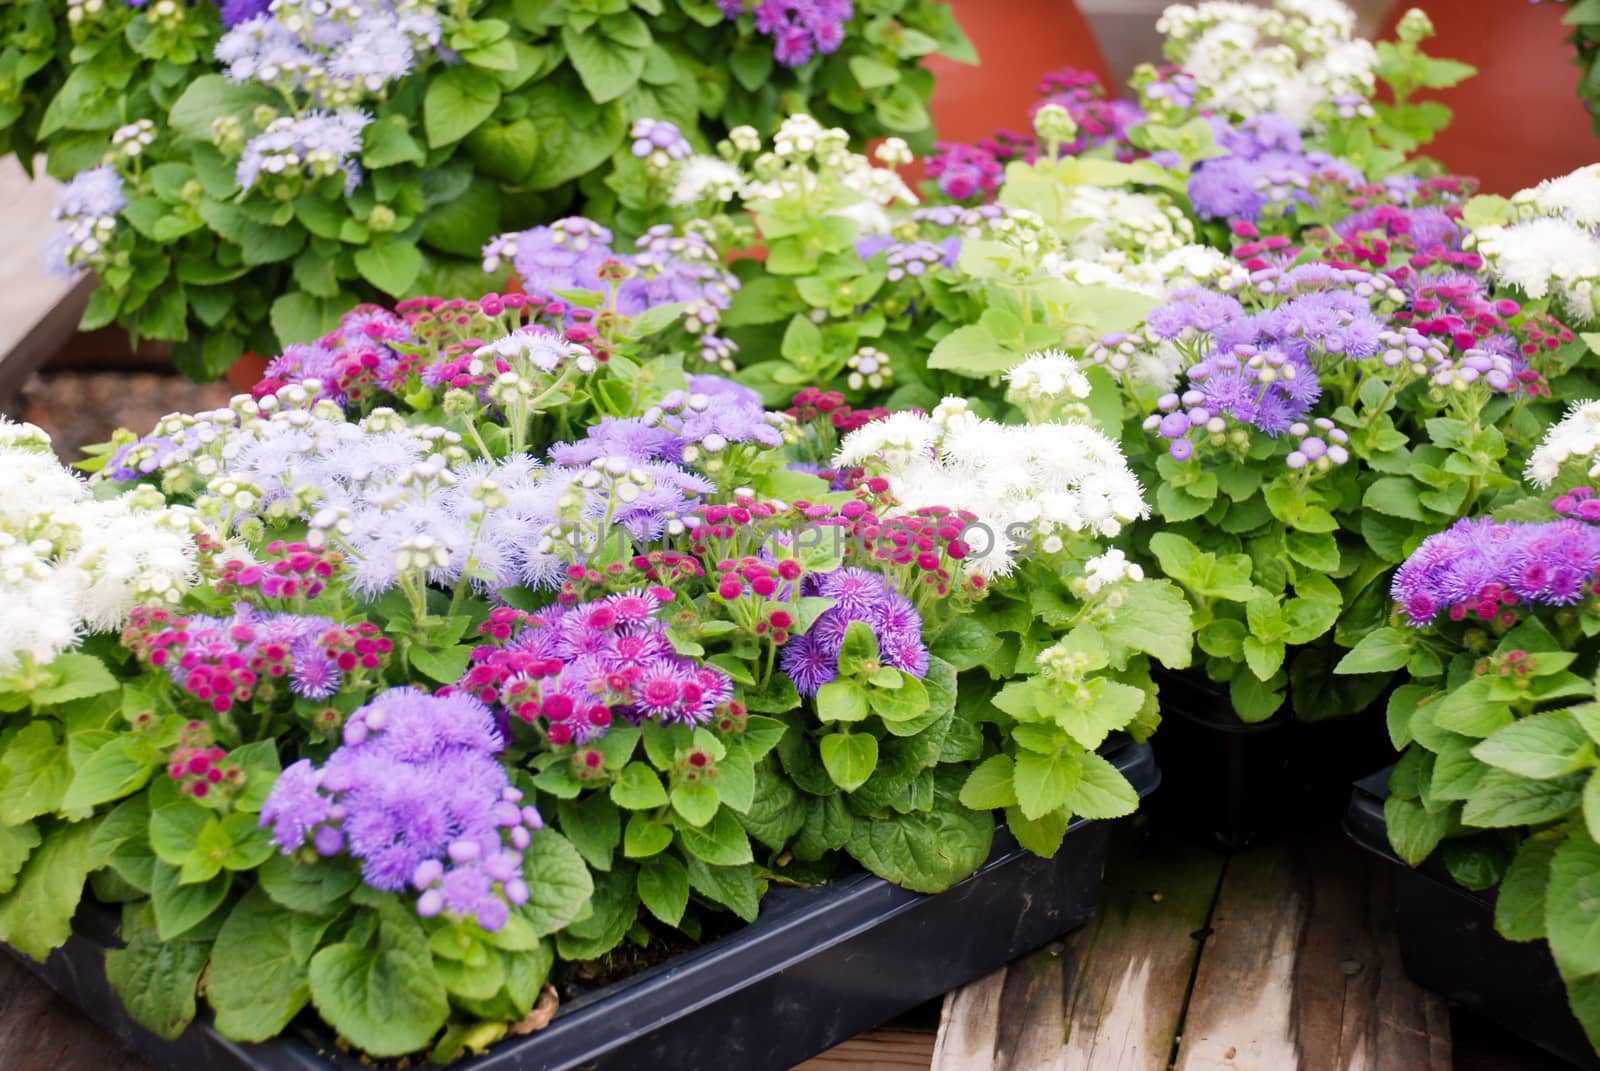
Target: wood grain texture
(1302, 972)
(40, 1031)
(1109, 997)
(890, 1049)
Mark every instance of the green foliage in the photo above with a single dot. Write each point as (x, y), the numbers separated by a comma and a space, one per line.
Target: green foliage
(518, 128)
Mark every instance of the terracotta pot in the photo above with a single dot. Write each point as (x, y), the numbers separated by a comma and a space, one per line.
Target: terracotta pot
(1018, 43)
(1519, 120)
(246, 371)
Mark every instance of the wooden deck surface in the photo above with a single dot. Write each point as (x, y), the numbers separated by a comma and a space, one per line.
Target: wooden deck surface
(1281, 958)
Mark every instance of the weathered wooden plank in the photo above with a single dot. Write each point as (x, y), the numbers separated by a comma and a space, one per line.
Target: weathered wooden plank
(38, 311)
(1109, 997)
(891, 1049)
(1302, 973)
(40, 1031)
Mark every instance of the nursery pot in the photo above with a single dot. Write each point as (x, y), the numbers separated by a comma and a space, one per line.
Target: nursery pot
(1239, 783)
(1449, 945)
(1018, 43)
(818, 966)
(1519, 120)
(246, 372)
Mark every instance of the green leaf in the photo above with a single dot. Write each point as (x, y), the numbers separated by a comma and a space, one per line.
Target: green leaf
(16, 844)
(115, 770)
(1519, 908)
(615, 909)
(257, 982)
(841, 700)
(35, 770)
(971, 351)
(1043, 782)
(179, 908)
(607, 66)
(36, 915)
(926, 851)
(664, 888)
(1101, 791)
(391, 267)
(903, 703)
(849, 758)
(722, 842)
(751, 64)
(1042, 837)
(1542, 746)
(317, 888)
(175, 829)
(559, 885)
(1572, 905)
(989, 786)
(593, 826)
(1379, 651)
(1504, 799)
(458, 101)
(734, 887)
(156, 977)
(387, 1001)
(1395, 496)
(639, 788)
(1155, 619)
(208, 98)
(1413, 832)
(696, 803)
(645, 836)
(76, 676)
(388, 142)
(300, 317)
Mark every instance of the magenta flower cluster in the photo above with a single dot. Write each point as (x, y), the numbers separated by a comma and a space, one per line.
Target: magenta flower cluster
(576, 669)
(1485, 568)
(812, 660)
(417, 794)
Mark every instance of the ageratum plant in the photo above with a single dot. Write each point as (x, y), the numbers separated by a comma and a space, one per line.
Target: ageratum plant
(485, 647)
(1497, 725)
(249, 173)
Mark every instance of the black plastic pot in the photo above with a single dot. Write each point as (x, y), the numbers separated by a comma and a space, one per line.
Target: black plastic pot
(1449, 945)
(1239, 783)
(819, 966)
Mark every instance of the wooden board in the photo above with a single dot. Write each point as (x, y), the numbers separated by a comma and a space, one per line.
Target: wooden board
(889, 1049)
(1302, 971)
(40, 1031)
(1109, 997)
(38, 311)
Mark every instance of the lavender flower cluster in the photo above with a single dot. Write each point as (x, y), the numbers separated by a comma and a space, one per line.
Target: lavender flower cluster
(1484, 567)
(310, 146)
(799, 28)
(87, 207)
(668, 266)
(1266, 167)
(812, 660)
(333, 52)
(417, 795)
(1264, 368)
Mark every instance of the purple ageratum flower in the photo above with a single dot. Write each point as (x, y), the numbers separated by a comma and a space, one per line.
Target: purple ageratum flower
(236, 11)
(799, 28)
(1194, 310)
(720, 389)
(1335, 322)
(812, 660)
(566, 255)
(1225, 188)
(417, 795)
(652, 136)
(1480, 567)
(91, 193)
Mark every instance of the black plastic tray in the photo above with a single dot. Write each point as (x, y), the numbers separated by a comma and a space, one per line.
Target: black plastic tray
(1449, 945)
(1239, 783)
(819, 966)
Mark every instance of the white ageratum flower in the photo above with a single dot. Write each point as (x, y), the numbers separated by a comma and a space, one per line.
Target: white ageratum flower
(72, 564)
(1046, 376)
(705, 178)
(1031, 486)
(1103, 219)
(1547, 256)
(1287, 58)
(1575, 196)
(1575, 438)
(1112, 567)
(1140, 358)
